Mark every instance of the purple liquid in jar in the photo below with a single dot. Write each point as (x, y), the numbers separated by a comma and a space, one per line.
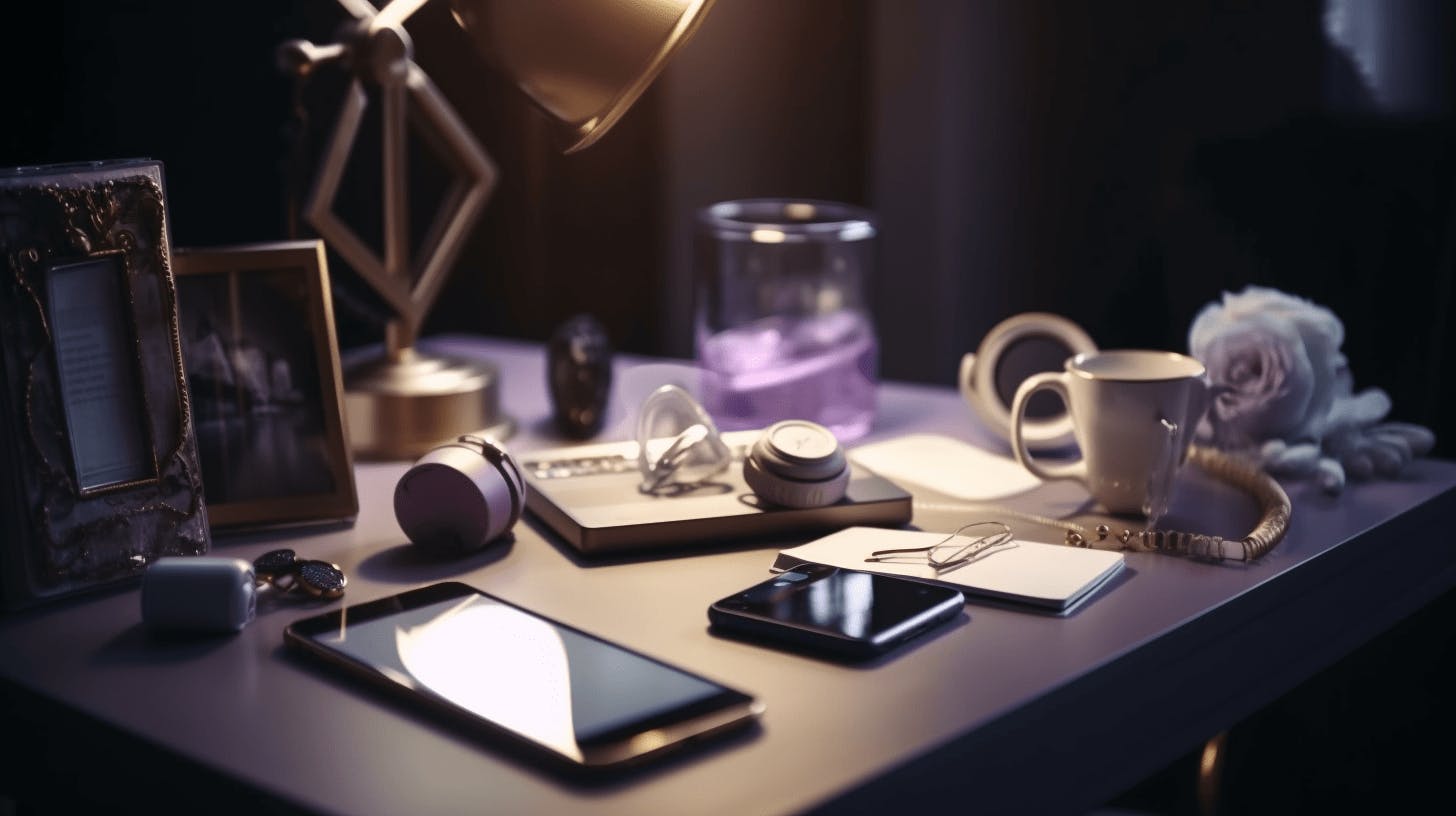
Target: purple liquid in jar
(818, 367)
(781, 325)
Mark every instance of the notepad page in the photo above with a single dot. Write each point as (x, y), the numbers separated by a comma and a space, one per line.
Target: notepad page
(1047, 575)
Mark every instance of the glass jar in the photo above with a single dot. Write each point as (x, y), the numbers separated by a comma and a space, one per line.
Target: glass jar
(781, 329)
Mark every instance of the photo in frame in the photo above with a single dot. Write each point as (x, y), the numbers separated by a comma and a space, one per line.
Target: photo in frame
(257, 332)
(99, 474)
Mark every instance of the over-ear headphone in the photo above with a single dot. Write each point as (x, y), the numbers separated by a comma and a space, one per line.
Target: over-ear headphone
(1014, 349)
(797, 463)
(460, 496)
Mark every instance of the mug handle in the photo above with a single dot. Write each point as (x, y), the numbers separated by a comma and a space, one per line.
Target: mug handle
(1045, 381)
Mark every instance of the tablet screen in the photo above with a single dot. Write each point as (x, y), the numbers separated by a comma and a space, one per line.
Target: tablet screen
(549, 683)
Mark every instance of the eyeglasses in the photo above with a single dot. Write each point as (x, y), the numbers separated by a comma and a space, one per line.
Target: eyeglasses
(970, 543)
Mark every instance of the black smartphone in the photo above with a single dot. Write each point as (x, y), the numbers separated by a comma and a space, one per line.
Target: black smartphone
(579, 700)
(839, 612)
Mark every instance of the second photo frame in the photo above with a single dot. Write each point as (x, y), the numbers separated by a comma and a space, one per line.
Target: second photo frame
(262, 362)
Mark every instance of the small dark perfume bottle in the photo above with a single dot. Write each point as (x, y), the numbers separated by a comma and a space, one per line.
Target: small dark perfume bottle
(579, 373)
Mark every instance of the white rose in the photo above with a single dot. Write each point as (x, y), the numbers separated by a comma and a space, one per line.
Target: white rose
(1274, 360)
(1284, 392)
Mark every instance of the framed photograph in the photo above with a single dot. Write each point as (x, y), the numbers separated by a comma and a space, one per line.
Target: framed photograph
(257, 330)
(99, 473)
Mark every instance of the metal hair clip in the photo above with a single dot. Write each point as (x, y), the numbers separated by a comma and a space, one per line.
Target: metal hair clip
(679, 447)
(955, 550)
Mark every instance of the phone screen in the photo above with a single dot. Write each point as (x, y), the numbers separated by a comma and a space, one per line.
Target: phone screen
(859, 611)
(553, 685)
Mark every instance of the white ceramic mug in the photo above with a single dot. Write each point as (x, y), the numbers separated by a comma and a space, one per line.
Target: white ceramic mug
(1133, 415)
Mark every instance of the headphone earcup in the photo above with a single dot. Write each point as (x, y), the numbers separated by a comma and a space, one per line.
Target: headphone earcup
(786, 492)
(460, 496)
(779, 481)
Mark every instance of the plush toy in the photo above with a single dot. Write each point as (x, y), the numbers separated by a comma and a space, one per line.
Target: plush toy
(1284, 394)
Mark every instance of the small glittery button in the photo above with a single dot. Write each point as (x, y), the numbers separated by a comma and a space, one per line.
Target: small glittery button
(322, 579)
(274, 563)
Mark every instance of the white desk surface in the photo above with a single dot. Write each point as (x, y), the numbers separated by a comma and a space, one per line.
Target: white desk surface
(1010, 710)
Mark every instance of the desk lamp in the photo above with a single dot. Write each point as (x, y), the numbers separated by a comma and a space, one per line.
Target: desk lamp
(582, 62)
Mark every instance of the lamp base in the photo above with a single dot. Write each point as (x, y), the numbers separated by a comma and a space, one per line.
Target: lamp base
(401, 408)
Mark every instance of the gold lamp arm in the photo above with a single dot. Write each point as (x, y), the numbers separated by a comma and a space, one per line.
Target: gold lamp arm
(379, 51)
(402, 404)
(583, 63)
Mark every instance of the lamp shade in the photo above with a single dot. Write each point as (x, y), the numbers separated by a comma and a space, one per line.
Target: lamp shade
(583, 63)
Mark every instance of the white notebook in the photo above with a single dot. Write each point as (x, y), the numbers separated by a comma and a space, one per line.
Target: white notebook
(1050, 576)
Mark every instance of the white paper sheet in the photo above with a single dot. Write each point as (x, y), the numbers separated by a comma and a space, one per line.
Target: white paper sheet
(1053, 576)
(945, 465)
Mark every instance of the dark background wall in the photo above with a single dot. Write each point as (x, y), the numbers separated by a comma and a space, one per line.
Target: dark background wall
(1121, 163)
(1125, 163)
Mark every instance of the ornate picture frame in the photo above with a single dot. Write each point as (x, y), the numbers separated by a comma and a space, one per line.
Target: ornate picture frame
(98, 462)
(257, 329)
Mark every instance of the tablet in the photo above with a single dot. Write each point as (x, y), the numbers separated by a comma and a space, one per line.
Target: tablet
(504, 672)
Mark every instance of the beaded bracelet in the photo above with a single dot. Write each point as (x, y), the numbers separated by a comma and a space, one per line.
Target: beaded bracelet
(1275, 511)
